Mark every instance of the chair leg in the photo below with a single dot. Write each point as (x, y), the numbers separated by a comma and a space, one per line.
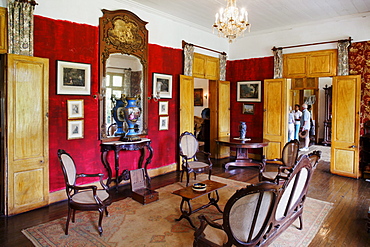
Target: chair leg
(73, 215)
(209, 174)
(68, 218)
(187, 179)
(182, 173)
(100, 228)
(106, 212)
(300, 223)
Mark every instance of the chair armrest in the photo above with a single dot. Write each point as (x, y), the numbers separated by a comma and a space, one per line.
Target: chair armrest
(87, 187)
(86, 175)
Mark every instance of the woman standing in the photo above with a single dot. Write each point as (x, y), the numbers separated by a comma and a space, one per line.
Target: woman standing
(297, 124)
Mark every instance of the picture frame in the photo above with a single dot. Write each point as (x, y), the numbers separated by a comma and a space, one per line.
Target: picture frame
(163, 123)
(198, 96)
(249, 91)
(248, 109)
(162, 85)
(163, 107)
(75, 129)
(73, 78)
(75, 108)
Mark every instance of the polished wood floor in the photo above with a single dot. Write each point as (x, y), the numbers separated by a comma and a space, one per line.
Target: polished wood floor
(344, 226)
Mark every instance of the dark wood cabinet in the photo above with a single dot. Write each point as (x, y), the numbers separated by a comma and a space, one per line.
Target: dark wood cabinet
(327, 120)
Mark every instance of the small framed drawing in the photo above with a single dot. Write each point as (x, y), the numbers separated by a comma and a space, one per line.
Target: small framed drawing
(75, 129)
(162, 85)
(249, 91)
(163, 123)
(248, 109)
(163, 107)
(73, 78)
(198, 96)
(75, 108)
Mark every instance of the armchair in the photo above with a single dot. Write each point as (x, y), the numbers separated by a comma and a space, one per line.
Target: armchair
(283, 165)
(189, 149)
(84, 198)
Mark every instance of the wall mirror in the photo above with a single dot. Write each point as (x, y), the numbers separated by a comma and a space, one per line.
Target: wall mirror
(123, 50)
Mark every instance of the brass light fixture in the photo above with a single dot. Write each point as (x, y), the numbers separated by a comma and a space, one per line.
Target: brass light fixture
(230, 22)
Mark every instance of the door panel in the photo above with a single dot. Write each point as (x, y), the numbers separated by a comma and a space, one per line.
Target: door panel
(27, 142)
(275, 116)
(186, 104)
(345, 126)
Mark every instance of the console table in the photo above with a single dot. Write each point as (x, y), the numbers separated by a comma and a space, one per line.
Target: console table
(117, 147)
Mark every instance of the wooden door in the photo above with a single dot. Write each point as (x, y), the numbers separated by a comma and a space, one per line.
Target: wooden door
(27, 133)
(345, 126)
(186, 104)
(275, 117)
(219, 104)
(3, 31)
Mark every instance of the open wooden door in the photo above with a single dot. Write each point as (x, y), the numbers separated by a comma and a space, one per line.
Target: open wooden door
(27, 146)
(219, 104)
(275, 117)
(345, 126)
(186, 104)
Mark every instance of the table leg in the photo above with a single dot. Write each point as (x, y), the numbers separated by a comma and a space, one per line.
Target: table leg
(242, 159)
(107, 166)
(213, 201)
(186, 213)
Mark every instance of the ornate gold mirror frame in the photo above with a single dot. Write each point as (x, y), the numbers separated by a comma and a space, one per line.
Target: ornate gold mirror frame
(122, 32)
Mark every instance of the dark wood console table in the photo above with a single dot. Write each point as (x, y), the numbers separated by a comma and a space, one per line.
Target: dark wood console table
(242, 159)
(118, 146)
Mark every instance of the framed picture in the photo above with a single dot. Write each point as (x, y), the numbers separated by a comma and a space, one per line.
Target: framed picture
(198, 96)
(162, 84)
(248, 109)
(163, 107)
(249, 91)
(73, 78)
(75, 129)
(163, 123)
(75, 108)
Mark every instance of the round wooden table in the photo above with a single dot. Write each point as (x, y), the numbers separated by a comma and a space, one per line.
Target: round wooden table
(242, 159)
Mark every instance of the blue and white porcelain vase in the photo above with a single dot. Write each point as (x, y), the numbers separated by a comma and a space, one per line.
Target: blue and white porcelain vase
(118, 114)
(242, 130)
(132, 113)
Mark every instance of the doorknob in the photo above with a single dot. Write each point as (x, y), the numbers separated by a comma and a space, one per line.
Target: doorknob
(353, 146)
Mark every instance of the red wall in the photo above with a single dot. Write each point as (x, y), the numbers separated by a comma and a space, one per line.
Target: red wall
(255, 69)
(68, 41)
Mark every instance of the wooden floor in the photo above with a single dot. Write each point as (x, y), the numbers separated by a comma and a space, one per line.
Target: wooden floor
(344, 226)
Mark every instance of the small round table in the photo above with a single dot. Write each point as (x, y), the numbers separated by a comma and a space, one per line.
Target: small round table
(242, 159)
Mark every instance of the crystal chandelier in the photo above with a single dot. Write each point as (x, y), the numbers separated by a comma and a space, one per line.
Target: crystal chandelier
(230, 23)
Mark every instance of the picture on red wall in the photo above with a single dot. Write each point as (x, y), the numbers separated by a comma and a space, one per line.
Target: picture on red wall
(249, 91)
(73, 78)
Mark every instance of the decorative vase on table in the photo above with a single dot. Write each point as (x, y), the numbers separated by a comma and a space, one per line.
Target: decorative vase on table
(132, 113)
(242, 130)
(118, 114)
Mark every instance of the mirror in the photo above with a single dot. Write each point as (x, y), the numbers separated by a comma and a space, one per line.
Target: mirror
(123, 72)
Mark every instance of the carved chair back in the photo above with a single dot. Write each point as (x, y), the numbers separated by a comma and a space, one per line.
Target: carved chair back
(68, 166)
(189, 146)
(290, 153)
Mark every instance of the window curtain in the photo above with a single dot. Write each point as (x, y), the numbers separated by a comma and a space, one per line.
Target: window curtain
(20, 27)
(343, 65)
(188, 59)
(223, 58)
(278, 63)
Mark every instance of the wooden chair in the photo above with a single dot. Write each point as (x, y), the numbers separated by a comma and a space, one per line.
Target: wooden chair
(84, 198)
(283, 164)
(189, 149)
(245, 221)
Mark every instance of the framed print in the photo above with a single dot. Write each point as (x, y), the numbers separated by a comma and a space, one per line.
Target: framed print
(75, 108)
(73, 78)
(163, 107)
(75, 129)
(198, 96)
(162, 85)
(248, 109)
(249, 91)
(163, 123)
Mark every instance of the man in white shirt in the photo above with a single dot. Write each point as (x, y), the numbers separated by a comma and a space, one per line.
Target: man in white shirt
(291, 123)
(305, 122)
(297, 124)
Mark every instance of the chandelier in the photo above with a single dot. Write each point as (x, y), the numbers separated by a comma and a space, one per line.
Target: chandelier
(230, 23)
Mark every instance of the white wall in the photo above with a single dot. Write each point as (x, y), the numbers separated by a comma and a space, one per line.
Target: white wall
(259, 45)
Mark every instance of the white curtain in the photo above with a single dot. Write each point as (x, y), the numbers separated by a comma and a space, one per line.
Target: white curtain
(278, 63)
(20, 27)
(188, 59)
(223, 58)
(343, 65)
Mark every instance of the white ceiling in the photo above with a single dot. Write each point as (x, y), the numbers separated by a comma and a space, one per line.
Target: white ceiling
(264, 15)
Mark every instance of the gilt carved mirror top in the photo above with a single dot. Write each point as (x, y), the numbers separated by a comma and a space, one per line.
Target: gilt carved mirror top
(123, 50)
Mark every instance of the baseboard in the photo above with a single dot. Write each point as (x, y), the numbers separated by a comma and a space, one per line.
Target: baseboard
(60, 195)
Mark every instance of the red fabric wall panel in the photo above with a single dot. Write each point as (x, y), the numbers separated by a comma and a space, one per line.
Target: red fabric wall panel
(255, 69)
(68, 41)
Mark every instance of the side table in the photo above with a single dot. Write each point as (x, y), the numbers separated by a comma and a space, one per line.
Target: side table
(187, 194)
(117, 147)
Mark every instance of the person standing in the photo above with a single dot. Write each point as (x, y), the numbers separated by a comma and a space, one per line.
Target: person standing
(305, 123)
(291, 123)
(297, 124)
